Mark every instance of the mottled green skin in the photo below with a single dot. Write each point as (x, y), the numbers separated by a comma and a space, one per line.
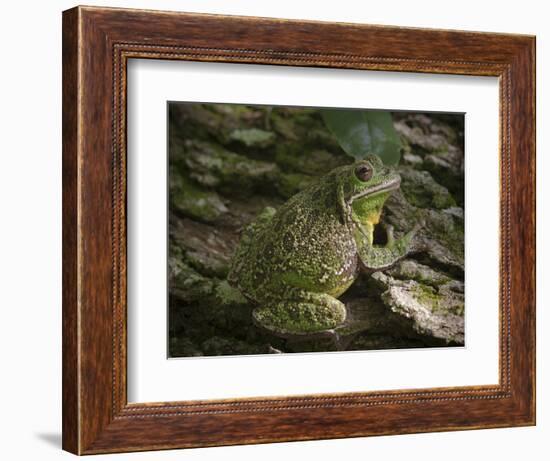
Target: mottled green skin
(294, 262)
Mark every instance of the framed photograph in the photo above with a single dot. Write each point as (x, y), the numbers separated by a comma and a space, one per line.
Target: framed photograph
(282, 230)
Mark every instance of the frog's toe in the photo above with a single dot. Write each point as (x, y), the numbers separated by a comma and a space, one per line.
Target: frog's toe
(389, 234)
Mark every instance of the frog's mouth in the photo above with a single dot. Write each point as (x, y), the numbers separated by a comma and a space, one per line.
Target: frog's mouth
(387, 186)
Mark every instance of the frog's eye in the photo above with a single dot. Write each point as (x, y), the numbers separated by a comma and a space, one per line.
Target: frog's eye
(364, 172)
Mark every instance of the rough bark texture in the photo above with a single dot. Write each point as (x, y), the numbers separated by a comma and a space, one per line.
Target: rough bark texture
(227, 162)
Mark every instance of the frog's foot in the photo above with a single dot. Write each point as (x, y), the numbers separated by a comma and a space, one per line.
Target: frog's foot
(390, 239)
(306, 313)
(374, 257)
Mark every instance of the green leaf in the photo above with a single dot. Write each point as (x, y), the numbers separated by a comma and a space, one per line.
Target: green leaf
(361, 132)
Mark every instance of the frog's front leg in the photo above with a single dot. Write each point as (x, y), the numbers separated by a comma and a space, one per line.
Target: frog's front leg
(381, 257)
(300, 312)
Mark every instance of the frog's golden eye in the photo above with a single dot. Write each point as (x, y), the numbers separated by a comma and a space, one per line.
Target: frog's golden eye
(364, 172)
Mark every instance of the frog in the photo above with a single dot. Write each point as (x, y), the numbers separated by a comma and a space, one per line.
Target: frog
(294, 262)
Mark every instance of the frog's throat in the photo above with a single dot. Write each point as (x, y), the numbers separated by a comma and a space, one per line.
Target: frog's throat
(366, 226)
(378, 189)
(365, 222)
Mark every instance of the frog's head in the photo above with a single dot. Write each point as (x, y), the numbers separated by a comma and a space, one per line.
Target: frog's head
(367, 185)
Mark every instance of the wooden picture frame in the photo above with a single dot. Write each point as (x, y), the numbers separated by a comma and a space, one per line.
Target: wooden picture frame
(97, 43)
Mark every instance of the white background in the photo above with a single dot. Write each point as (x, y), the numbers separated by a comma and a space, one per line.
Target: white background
(152, 378)
(30, 235)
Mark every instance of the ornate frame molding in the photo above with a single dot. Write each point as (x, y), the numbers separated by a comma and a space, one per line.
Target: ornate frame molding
(97, 43)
